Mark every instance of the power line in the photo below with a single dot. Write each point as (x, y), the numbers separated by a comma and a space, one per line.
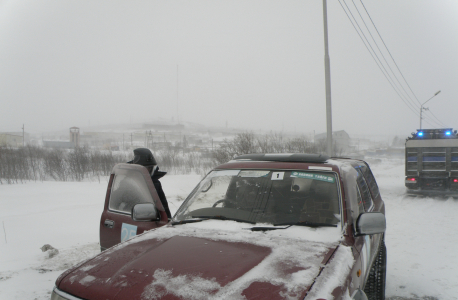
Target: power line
(405, 97)
(381, 53)
(430, 120)
(351, 21)
(438, 120)
(373, 51)
(433, 126)
(380, 64)
(389, 52)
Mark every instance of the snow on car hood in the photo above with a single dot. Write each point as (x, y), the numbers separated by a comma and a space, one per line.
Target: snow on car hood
(213, 260)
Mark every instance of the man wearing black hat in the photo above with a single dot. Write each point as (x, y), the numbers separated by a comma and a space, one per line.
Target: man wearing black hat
(144, 157)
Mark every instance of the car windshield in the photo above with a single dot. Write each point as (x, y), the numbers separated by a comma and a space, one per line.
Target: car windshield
(277, 197)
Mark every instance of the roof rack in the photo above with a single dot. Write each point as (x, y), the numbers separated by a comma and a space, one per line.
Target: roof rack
(284, 157)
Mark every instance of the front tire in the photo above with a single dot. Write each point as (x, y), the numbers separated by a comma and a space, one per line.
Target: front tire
(376, 282)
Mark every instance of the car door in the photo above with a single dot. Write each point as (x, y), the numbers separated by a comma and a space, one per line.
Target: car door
(369, 243)
(129, 185)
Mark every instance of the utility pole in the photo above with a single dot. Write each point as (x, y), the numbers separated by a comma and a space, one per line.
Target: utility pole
(421, 113)
(23, 140)
(425, 108)
(327, 69)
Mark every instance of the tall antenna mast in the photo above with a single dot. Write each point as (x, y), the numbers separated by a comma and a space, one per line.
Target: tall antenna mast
(178, 121)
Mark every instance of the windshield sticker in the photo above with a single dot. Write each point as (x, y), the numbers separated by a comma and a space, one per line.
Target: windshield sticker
(313, 176)
(277, 175)
(253, 173)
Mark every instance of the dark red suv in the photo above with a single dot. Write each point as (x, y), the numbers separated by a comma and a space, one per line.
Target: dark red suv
(262, 226)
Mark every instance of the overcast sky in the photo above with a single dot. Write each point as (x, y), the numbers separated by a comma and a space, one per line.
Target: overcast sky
(255, 64)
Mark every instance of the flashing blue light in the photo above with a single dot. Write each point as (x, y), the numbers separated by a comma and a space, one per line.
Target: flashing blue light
(420, 133)
(448, 133)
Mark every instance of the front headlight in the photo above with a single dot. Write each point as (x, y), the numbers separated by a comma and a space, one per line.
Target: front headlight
(59, 295)
(359, 295)
(55, 296)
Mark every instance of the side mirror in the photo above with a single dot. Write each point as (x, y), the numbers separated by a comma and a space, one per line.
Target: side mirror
(370, 223)
(144, 212)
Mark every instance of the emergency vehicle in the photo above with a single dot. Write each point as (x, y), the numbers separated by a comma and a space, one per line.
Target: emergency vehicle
(431, 162)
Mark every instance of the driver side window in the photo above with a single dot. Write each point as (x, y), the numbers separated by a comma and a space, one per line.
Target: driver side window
(127, 190)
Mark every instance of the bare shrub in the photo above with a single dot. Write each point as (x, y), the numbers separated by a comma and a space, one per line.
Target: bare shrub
(55, 165)
(78, 162)
(243, 143)
(248, 142)
(175, 161)
(35, 163)
(34, 156)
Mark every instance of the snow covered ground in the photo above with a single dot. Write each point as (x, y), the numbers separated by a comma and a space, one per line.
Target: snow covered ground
(421, 238)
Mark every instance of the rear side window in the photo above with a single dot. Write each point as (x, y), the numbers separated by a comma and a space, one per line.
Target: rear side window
(360, 203)
(127, 190)
(364, 190)
(370, 181)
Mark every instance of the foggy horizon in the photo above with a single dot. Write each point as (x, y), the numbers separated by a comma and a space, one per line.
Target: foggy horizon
(258, 65)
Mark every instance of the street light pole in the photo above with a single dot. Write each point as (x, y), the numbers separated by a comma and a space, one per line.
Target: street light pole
(421, 107)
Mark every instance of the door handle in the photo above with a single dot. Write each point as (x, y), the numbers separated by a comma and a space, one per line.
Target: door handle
(109, 223)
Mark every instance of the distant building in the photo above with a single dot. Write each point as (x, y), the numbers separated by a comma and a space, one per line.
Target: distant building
(74, 141)
(340, 139)
(163, 127)
(10, 140)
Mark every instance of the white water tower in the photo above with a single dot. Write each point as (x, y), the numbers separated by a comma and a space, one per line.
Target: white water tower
(75, 136)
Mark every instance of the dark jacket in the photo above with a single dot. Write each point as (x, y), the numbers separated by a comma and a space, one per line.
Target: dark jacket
(157, 184)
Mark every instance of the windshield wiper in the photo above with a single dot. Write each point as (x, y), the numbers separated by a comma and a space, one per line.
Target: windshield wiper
(223, 218)
(187, 221)
(261, 228)
(307, 223)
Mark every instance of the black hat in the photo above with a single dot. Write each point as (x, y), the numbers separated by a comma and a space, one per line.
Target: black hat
(143, 157)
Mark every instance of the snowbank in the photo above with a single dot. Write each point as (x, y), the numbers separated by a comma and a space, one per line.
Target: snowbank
(421, 238)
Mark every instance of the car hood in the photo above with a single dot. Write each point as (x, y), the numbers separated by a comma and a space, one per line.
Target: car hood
(187, 262)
